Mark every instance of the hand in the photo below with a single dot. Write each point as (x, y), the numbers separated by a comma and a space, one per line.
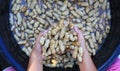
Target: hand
(37, 50)
(81, 39)
(87, 63)
(36, 57)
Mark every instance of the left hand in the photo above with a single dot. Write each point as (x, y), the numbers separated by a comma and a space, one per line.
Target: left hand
(36, 57)
(37, 50)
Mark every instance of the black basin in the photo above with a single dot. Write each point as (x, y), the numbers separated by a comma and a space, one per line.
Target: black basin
(21, 59)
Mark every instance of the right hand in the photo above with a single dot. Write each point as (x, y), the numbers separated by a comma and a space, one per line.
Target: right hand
(81, 39)
(87, 63)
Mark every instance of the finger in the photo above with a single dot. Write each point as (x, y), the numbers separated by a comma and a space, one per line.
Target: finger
(37, 45)
(80, 36)
(38, 38)
(79, 33)
(43, 57)
(45, 32)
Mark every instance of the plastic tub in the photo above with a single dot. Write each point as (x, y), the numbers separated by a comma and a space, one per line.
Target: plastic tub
(19, 60)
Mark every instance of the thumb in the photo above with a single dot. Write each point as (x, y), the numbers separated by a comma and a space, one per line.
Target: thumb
(43, 57)
(80, 37)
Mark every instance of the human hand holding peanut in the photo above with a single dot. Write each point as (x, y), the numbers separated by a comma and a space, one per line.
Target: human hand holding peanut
(87, 63)
(36, 57)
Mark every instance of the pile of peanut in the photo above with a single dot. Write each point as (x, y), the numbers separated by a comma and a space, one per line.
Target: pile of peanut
(58, 43)
(30, 17)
